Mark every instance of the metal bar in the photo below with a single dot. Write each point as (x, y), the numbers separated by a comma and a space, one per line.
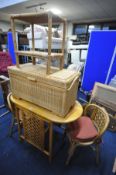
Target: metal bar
(4, 113)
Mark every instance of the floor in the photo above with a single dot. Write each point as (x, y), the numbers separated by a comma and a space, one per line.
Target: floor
(21, 158)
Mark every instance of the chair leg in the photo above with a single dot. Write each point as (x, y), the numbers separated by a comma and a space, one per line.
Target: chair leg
(12, 125)
(114, 166)
(97, 154)
(70, 152)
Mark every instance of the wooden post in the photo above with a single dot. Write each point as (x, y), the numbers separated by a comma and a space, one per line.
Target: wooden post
(63, 45)
(18, 121)
(50, 141)
(14, 40)
(33, 43)
(49, 42)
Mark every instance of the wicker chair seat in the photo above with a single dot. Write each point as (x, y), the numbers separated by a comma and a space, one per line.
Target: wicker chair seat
(83, 129)
(88, 130)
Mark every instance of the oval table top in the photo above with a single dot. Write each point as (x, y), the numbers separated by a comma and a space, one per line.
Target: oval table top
(74, 113)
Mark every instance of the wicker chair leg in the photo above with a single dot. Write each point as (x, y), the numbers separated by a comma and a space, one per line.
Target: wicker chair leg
(11, 127)
(64, 135)
(114, 166)
(70, 152)
(97, 154)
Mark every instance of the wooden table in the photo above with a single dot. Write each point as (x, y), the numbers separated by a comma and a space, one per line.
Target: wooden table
(37, 120)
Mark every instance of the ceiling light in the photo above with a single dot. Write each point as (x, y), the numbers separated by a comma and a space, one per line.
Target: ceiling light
(91, 27)
(55, 11)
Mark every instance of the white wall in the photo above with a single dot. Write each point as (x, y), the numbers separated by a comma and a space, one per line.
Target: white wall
(69, 29)
(6, 25)
(74, 52)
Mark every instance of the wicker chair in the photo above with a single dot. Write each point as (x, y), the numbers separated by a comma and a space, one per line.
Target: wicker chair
(5, 61)
(88, 129)
(10, 105)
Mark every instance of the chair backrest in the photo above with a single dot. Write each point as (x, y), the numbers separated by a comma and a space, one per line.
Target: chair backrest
(9, 102)
(12, 107)
(99, 116)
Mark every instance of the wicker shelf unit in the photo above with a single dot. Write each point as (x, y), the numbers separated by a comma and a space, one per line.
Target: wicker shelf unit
(40, 18)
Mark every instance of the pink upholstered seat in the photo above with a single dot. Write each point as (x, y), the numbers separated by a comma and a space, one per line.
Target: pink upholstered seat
(83, 129)
(5, 61)
(88, 130)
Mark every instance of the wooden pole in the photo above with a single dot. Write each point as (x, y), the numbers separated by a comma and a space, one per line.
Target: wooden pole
(33, 43)
(50, 141)
(63, 45)
(49, 42)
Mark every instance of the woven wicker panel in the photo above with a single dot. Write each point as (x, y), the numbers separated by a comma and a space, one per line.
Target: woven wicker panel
(99, 118)
(56, 99)
(98, 115)
(61, 79)
(34, 131)
(111, 112)
(89, 110)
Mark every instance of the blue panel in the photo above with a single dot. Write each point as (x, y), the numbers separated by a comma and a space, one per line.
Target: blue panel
(11, 47)
(113, 69)
(100, 51)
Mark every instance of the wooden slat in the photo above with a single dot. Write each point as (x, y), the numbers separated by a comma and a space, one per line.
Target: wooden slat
(38, 54)
(36, 18)
(49, 42)
(63, 45)
(33, 43)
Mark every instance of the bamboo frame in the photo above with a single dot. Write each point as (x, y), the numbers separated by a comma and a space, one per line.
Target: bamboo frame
(35, 18)
(38, 54)
(63, 45)
(49, 42)
(33, 43)
(40, 17)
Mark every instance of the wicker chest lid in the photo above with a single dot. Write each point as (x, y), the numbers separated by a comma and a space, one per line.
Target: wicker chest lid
(61, 79)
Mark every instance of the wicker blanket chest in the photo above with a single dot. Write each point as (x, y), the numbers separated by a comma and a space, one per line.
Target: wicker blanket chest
(56, 92)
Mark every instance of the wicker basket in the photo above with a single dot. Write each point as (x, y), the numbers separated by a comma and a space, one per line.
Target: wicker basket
(56, 92)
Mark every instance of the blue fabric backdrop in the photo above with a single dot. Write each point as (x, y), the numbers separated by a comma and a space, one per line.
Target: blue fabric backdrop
(100, 52)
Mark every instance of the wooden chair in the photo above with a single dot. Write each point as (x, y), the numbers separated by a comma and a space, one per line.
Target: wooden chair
(11, 108)
(88, 129)
(14, 121)
(5, 61)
